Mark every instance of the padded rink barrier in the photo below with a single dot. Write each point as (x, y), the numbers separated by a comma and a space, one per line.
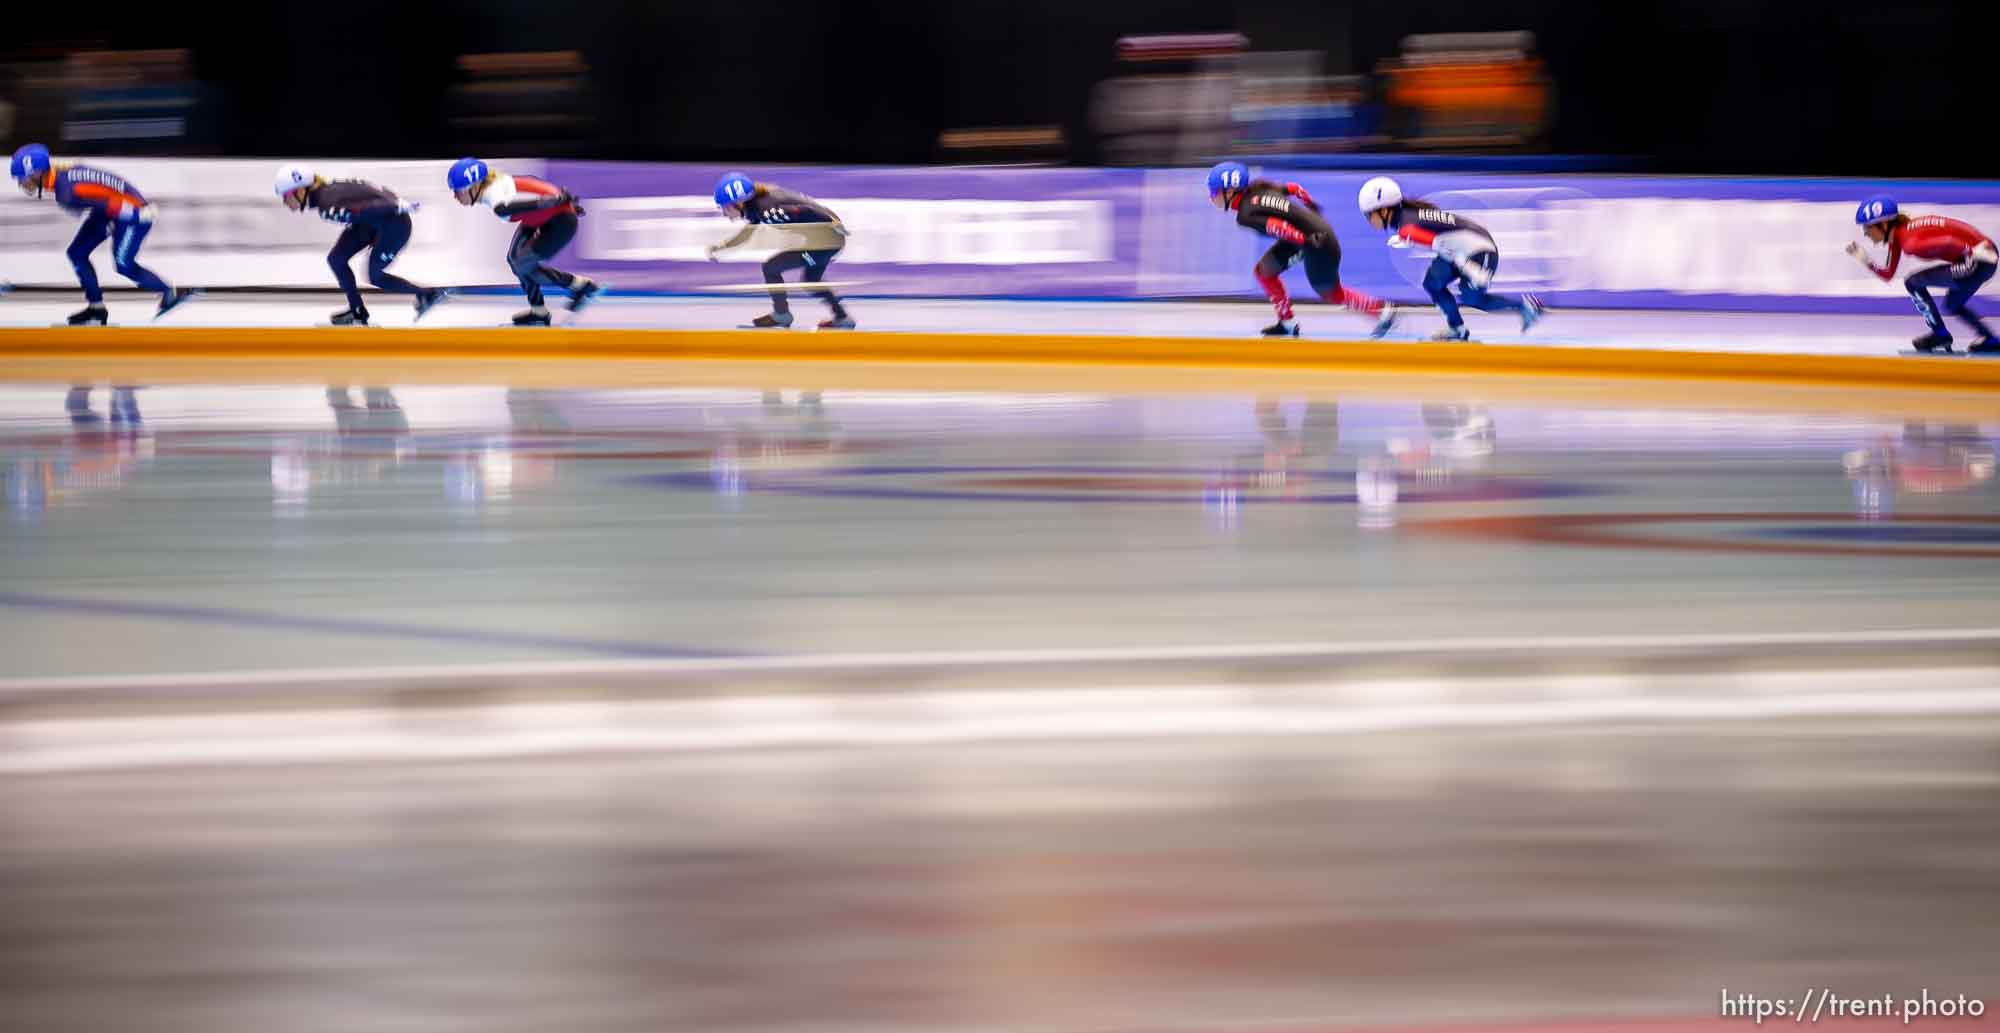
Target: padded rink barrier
(472, 346)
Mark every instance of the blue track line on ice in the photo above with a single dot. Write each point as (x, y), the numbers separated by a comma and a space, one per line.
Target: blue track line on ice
(350, 626)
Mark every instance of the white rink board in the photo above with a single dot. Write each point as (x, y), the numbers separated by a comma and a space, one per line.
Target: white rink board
(220, 224)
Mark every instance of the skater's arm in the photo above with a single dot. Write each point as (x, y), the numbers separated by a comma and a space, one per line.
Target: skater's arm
(1977, 253)
(1895, 258)
(1283, 230)
(115, 203)
(1281, 216)
(511, 197)
(349, 202)
(532, 204)
(741, 236)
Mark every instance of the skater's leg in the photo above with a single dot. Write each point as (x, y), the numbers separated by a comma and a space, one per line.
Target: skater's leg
(775, 268)
(521, 258)
(1477, 275)
(1957, 299)
(1268, 270)
(816, 264)
(126, 239)
(1323, 270)
(352, 241)
(1437, 284)
(548, 240)
(389, 242)
(92, 233)
(1919, 284)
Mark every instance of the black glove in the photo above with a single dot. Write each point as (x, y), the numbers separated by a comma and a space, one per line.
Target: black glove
(1319, 239)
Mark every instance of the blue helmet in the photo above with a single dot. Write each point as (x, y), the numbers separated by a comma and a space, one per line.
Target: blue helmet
(465, 174)
(733, 188)
(30, 161)
(1875, 209)
(1230, 175)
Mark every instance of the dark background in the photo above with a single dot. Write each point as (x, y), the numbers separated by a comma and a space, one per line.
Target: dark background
(1709, 86)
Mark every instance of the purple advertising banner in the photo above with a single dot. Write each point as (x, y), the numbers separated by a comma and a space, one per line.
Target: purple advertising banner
(913, 231)
(1581, 240)
(1577, 240)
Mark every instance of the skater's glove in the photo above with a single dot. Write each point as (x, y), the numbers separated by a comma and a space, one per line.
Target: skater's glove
(712, 252)
(1318, 239)
(1855, 252)
(1398, 243)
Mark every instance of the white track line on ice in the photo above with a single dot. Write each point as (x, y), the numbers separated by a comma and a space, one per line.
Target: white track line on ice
(760, 288)
(530, 730)
(834, 663)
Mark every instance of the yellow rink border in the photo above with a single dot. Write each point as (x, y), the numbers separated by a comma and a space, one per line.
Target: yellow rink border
(472, 346)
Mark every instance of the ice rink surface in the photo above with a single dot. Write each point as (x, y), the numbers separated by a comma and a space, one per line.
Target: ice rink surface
(168, 529)
(1590, 850)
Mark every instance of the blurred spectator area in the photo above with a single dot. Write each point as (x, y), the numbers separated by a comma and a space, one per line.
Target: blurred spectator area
(1285, 105)
(1467, 91)
(1004, 145)
(1169, 100)
(83, 99)
(523, 103)
(1188, 99)
(134, 101)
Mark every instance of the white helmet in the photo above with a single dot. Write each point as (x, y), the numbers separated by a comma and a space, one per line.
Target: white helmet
(293, 177)
(1380, 192)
